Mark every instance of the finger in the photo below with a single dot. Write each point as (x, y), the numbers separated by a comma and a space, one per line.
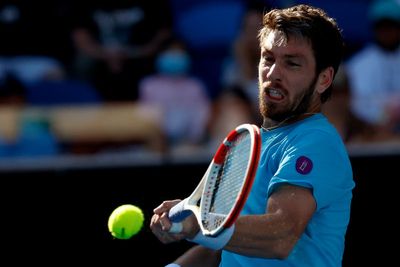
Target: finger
(155, 224)
(157, 229)
(165, 222)
(165, 206)
(162, 235)
(166, 237)
(153, 220)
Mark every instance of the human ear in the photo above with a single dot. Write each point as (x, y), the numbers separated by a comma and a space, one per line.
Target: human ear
(325, 79)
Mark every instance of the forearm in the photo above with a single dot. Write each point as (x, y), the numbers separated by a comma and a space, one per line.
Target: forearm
(199, 256)
(87, 45)
(262, 236)
(275, 233)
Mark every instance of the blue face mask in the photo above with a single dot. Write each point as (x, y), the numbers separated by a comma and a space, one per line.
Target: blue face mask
(173, 63)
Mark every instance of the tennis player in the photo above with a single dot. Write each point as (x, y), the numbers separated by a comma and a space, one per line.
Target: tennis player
(298, 210)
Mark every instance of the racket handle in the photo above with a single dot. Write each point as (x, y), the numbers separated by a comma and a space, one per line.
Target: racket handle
(176, 228)
(177, 214)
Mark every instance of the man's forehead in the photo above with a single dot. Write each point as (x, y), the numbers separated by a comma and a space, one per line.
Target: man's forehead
(278, 39)
(274, 38)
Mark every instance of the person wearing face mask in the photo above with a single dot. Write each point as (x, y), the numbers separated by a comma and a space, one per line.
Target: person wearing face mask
(182, 98)
(174, 62)
(373, 73)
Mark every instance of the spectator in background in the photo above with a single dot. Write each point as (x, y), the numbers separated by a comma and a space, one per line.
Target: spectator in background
(339, 113)
(240, 69)
(374, 73)
(116, 43)
(30, 50)
(237, 102)
(182, 98)
(208, 28)
(230, 109)
(24, 130)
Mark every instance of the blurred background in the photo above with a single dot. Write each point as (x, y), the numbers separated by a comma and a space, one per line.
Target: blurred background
(104, 103)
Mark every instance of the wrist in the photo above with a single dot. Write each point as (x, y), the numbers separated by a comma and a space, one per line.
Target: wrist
(211, 242)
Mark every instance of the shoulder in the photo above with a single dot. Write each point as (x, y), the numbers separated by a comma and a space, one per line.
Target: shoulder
(312, 136)
(316, 126)
(312, 130)
(315, 135)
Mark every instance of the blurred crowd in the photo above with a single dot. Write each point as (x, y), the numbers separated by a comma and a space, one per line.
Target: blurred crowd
(93, 76)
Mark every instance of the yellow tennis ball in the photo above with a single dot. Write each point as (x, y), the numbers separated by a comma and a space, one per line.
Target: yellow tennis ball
(125, 221)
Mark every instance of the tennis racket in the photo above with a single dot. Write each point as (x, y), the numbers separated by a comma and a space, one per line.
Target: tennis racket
(219, 197)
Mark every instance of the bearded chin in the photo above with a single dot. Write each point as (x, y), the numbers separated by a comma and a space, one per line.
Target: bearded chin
(270, 111)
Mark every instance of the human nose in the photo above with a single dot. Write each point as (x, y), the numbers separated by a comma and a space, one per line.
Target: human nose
(274, 72)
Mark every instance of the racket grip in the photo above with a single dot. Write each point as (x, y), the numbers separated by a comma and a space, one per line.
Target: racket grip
(178, 212)
(176, 228)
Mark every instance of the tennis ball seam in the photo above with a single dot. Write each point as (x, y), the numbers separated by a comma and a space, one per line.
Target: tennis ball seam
(125, 221)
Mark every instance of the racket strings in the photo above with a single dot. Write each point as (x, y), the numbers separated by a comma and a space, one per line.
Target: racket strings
(226, 182)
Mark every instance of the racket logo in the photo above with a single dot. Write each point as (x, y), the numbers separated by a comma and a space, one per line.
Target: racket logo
(304, 165)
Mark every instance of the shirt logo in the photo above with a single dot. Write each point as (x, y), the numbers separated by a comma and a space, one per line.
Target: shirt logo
(304, 165)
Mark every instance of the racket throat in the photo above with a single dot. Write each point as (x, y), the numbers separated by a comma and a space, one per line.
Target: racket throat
(212, 222)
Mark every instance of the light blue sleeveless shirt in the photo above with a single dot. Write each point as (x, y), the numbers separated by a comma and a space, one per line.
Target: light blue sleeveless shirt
(307, 153)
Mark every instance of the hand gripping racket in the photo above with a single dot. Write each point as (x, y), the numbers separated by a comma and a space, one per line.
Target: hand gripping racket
(219, 197)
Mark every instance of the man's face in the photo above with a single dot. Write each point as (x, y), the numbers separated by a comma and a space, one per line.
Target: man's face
(287, 77)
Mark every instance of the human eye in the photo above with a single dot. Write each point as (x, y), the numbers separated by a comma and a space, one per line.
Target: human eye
(267, 59)
(293, 63)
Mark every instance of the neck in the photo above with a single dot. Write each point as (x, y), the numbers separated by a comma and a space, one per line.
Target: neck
(269, 124)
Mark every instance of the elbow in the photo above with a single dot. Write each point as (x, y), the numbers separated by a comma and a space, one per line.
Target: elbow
(283, 249)
(282, 254)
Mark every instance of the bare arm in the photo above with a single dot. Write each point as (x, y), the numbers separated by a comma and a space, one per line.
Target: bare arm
(274, 234)
(85, 43)
(199, 256)
(270, 235)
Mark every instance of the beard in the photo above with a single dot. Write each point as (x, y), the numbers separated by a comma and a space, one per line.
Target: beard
(271, 110)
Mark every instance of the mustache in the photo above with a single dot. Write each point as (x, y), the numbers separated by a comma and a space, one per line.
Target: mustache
(298, 108)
